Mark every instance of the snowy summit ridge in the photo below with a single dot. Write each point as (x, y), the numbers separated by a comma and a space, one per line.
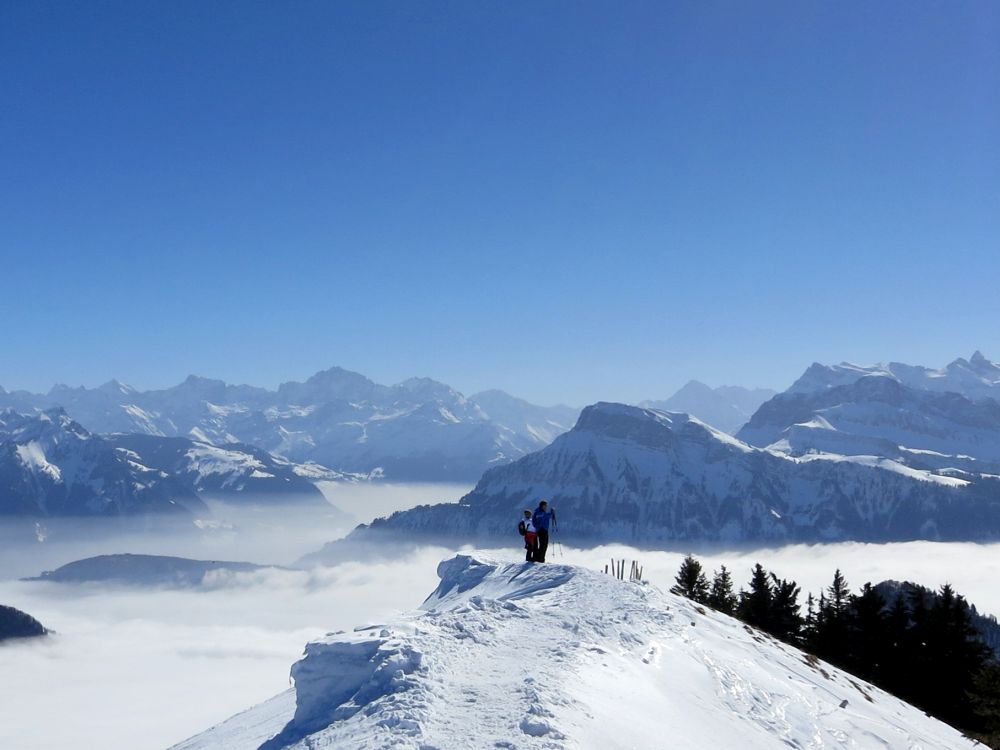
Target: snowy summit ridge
(515, 655)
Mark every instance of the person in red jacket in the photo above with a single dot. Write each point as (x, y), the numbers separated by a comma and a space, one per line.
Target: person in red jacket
(527, 529)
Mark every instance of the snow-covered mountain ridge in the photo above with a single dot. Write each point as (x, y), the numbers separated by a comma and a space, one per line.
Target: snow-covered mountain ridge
(936, 420)
(51, 466)
(638, 476)
(233, 472)
(419, 429)
(515, 655)
(974, 378)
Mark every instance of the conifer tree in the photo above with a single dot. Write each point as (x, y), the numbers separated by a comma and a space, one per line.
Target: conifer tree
(868, 639)
(953, 657)
(784, 620)
(721, 596)
(809, 622)
(839, 594)
(691, 581)
(755, 604)
(830, 641)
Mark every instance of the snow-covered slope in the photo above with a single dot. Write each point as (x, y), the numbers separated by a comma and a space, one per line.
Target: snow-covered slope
(726, 408)
(51, 466)
(645, 477)
(878, 415)
(419, 429)
(974, 378)
(515, 655)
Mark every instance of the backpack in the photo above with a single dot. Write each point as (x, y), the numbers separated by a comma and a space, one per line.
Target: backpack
(521, 528)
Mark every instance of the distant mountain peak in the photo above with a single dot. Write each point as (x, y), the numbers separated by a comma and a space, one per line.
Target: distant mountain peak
(62, 388)
(117, 388)
(726, 408)
(695, 386)
(197, 381)
(48, 424)
(431, 389)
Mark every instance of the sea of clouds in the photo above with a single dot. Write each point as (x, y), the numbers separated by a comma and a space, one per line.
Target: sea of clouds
(135, 668)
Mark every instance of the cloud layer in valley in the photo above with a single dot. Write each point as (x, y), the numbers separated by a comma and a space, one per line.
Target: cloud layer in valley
(142, 668)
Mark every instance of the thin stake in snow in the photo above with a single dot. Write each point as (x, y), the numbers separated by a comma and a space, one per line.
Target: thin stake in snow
(617, 569)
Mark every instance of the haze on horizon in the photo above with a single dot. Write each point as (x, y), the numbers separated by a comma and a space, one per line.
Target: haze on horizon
(570, 202)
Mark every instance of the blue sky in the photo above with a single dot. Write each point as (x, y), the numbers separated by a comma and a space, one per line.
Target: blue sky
(570, 201)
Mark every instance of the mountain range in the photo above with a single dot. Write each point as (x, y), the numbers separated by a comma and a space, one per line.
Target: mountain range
(848, 452)
(643, 477)
(51, 466)
(417, 430)
(946, 421)
(877, 454)
(974, 378)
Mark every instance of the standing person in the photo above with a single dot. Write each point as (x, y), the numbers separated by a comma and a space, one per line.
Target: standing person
(527, 529)
(542, 518)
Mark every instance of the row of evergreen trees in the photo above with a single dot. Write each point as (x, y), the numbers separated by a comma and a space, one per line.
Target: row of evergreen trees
(922, 648)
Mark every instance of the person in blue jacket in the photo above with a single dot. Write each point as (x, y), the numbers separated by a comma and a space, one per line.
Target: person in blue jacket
(541, 520)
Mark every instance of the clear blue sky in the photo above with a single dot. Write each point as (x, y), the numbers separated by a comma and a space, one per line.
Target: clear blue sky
(568, 200)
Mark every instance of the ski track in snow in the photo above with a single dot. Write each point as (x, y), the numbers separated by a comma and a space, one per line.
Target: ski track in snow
(513, 655)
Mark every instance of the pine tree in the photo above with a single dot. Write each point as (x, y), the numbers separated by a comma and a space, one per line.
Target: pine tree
(954, 655)
(721, 596)
(831, 637)
(868, 637)
(784, 621)
(808, 632)
(755, 604)
(691, 581)
(839, 594)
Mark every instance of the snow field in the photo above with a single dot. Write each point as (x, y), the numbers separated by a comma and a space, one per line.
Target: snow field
(515, 655)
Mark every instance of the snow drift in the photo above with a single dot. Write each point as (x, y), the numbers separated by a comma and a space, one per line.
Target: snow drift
(515, 655)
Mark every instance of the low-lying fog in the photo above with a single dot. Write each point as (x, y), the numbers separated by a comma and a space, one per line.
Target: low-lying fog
(267, 535)
(140, 669)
